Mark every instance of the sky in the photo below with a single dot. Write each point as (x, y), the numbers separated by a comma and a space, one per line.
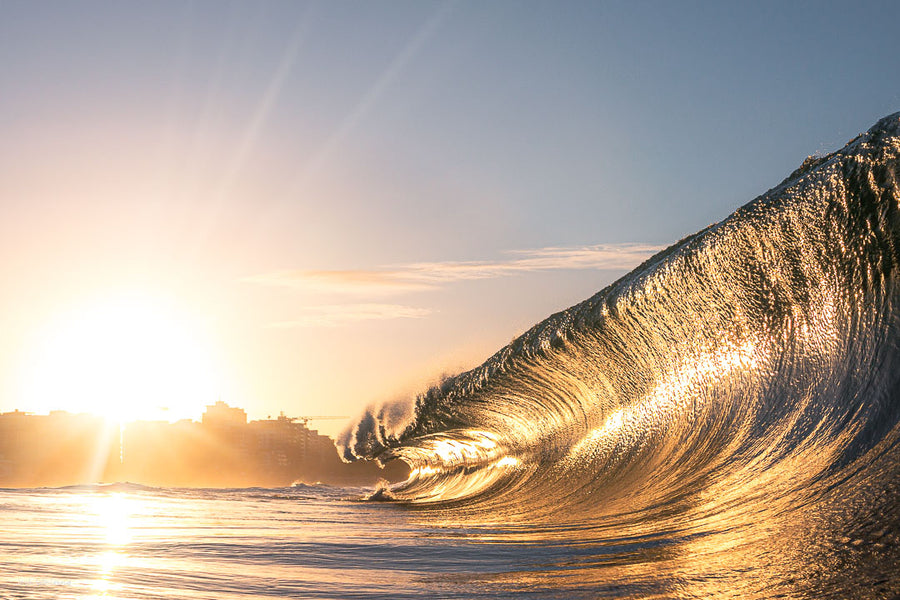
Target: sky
(311, 207)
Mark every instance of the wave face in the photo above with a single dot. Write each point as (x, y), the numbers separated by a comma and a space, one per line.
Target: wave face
(735, 400)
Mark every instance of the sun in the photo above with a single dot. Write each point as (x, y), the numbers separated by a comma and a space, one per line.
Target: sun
(127, 357)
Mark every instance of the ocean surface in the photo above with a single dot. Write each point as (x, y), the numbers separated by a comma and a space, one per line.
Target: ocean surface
(130, 541)
(723, 422)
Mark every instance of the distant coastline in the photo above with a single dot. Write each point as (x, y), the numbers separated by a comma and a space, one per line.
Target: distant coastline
(224, 449)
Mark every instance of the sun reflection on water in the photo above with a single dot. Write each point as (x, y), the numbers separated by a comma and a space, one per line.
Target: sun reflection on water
(113, 516)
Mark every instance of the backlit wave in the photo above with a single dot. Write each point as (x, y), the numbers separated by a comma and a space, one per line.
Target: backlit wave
(745, 379)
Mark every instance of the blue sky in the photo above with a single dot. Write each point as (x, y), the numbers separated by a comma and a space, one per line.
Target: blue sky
(312, 182)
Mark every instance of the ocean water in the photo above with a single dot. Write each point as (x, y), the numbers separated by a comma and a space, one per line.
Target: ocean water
(130, 541)
(723, 422)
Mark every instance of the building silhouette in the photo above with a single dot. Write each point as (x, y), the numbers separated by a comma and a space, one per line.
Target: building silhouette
(55, 449)
(222, 450)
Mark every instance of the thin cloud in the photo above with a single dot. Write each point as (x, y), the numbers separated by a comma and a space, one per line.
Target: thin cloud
(344, 314)
(346, 282)
(431, 275)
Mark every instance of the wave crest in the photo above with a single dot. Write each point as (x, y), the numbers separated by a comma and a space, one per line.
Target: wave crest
(765, 338)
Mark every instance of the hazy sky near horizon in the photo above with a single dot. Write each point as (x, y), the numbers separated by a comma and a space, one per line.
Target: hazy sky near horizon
(324, 204)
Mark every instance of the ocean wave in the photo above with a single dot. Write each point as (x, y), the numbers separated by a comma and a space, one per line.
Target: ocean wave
(759, 354)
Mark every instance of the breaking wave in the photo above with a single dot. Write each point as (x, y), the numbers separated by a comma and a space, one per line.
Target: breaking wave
(749, 373)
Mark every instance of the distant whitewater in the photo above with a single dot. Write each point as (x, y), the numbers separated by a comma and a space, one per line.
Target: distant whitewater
(725, 416)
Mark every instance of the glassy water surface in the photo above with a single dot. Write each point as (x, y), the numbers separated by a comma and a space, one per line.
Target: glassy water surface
(125, 541)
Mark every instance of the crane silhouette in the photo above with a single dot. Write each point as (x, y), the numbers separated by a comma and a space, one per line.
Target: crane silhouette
(306, 419)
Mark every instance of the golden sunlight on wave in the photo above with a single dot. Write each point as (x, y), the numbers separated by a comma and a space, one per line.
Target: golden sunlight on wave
(128, 357)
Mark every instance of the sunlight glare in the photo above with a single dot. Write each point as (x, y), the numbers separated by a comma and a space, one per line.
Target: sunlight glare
(125, 358)
(113, 515)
